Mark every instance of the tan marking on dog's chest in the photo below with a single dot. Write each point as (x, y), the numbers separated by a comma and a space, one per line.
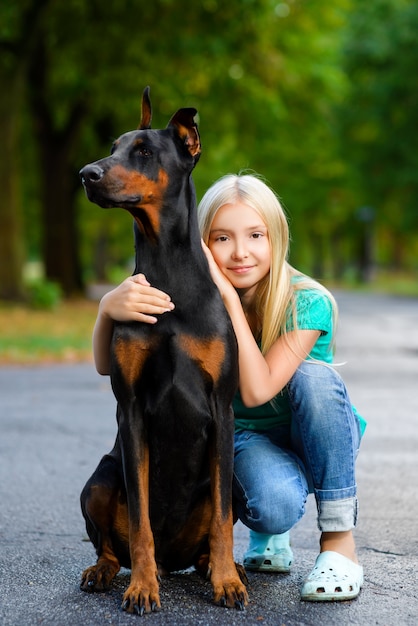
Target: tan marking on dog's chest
(209, 353)
(131, 356)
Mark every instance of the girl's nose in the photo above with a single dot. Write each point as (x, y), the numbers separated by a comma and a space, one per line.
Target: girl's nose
(240, 251)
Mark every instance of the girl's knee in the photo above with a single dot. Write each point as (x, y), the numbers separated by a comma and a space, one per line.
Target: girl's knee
(272, 513)
(318, 392)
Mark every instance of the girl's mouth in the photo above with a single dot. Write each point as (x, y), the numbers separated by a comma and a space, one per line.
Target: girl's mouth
(241, 269)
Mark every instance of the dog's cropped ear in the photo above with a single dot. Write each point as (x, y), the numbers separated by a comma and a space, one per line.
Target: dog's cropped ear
(187, 129)
(146, 111)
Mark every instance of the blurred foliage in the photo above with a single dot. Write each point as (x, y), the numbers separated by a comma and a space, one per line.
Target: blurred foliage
(44, 294)
(379, 121)
(320, 98)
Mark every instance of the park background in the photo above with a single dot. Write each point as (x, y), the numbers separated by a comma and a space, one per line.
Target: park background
(319, 98)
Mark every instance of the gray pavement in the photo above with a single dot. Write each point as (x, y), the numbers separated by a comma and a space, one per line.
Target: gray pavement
(56, 422)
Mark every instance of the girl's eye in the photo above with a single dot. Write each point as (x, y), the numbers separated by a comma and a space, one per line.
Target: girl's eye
(256, 235)
(222, 238)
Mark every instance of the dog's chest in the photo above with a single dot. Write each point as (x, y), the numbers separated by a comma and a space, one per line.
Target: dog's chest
(174, 351)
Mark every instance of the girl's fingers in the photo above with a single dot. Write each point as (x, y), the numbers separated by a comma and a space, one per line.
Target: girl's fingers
(135, 300)
(144, 290)
(139, 278)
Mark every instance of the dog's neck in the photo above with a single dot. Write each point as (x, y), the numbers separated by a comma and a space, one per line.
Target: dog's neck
(176, 226)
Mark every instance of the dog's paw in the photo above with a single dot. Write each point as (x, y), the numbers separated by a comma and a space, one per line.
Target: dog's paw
(231, 594)
(98, 577)
(141, 599)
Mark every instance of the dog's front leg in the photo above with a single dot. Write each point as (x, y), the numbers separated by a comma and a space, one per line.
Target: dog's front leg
(228, 588)
(142, 595)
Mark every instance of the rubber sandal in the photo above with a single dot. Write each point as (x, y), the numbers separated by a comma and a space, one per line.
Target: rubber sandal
(268, 553)
(333, 578)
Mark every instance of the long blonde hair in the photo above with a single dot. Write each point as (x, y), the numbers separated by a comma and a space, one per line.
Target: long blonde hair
(275, 294)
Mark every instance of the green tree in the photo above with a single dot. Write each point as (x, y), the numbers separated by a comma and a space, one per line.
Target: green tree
(379, 120)
(265, 77)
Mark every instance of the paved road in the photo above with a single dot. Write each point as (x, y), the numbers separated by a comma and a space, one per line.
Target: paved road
(55, 423)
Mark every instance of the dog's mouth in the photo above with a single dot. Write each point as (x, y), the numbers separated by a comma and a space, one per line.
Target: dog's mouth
(107, 191)
(108, 200)
(131, 204)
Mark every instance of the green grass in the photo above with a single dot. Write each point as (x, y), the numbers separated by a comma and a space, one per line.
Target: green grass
(29, 336)
(403, 285)
(398, 284)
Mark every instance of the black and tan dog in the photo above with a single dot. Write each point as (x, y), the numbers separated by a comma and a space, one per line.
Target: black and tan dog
(160, 501)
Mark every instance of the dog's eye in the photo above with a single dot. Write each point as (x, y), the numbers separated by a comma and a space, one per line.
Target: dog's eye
(144, 152)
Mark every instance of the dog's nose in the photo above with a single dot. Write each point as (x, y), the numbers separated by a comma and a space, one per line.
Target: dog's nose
(91, 173)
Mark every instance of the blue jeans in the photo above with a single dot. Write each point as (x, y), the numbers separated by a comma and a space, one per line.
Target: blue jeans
(275, 470)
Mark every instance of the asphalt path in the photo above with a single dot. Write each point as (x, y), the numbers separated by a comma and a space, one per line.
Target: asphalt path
(57, 421)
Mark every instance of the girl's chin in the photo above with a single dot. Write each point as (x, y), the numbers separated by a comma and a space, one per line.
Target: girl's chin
(244, 289)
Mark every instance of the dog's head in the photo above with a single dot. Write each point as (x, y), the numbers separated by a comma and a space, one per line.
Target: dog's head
(146, 167)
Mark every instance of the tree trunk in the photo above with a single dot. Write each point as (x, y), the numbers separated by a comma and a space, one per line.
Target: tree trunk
(60, 236)
(58, 175)
(14, 56)
(11, 239)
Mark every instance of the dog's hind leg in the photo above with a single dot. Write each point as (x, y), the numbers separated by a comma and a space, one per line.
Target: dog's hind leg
(104, 508)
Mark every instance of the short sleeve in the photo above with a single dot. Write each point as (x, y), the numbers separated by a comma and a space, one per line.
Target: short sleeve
(314, 312)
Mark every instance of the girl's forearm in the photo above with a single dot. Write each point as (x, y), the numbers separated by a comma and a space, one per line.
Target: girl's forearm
(261, 377)
(102, 336)
(254, 373)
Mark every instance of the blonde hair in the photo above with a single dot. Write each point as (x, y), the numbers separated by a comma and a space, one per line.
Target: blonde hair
(275, 294)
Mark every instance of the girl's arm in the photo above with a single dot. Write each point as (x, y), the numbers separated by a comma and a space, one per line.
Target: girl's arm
(133, 300)
(261, 377)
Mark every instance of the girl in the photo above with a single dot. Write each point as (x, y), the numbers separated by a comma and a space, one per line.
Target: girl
(296, 430)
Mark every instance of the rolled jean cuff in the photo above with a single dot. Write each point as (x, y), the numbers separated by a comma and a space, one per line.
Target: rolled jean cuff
(337, 515)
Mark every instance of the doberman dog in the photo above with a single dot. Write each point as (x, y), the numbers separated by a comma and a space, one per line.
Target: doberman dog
(161, 500)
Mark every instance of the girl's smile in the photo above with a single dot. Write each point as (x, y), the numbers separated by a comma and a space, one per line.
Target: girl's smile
(241, 269)
(240, 245)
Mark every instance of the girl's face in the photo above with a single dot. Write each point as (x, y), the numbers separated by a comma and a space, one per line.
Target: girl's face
(240, 245)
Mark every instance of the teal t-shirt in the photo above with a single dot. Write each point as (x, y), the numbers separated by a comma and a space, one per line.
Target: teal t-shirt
(313, 312)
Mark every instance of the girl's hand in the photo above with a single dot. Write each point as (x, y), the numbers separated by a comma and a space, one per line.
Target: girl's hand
(221, 281)
(135, 300)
